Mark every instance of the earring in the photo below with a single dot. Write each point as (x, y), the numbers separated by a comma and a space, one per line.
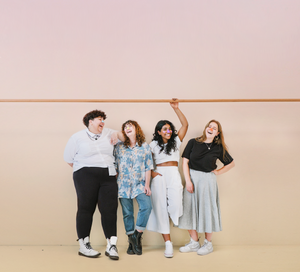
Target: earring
(217, 138)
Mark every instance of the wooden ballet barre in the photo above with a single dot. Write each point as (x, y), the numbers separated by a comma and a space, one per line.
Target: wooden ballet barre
(145, 100)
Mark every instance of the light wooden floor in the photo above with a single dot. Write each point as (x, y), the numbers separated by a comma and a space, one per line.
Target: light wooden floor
(224, 259)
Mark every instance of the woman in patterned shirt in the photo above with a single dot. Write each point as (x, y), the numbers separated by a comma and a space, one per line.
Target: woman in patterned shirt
(134, 164)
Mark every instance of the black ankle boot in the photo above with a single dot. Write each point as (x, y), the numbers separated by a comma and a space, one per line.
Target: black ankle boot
(135, 241)
(129, 249)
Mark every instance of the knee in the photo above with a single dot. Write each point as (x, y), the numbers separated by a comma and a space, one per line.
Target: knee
(146, 208)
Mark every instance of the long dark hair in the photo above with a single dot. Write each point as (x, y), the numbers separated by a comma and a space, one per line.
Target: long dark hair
(171, 145)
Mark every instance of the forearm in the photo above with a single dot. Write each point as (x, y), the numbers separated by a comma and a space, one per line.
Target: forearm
(189, 186)
(186, 170)
(184, 124)
(224, 169)
(120, 136)
(147, 178)
(181, 117)
(71, 164)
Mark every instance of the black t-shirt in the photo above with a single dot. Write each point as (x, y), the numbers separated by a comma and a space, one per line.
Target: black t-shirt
(203, 159)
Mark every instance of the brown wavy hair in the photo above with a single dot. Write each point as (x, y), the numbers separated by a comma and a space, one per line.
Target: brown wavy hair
(140, 136)
(219, 139)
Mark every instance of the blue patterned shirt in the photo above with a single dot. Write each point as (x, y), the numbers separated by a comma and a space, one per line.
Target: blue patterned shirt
(131, 165)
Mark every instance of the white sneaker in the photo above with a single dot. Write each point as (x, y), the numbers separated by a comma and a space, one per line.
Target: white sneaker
(206, 248)
(111, 248)
(169, 249)
(86, 249)
(192, 246)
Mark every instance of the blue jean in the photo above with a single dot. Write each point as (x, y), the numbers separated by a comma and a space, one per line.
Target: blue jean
(145, 208)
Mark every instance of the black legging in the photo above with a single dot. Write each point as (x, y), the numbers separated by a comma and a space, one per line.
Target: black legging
(95, 186)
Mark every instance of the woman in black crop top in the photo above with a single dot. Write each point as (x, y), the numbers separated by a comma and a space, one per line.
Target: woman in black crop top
(201, 211)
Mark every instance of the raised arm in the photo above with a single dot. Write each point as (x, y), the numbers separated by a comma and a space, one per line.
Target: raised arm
(184, 123)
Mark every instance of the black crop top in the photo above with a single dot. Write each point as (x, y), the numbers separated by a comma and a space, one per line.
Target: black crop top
(203, 159)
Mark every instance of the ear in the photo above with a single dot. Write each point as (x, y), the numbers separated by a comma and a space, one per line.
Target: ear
(218, 133)
(159, 132)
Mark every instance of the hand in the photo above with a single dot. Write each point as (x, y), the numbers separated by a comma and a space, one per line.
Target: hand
(147, 190)
(154, 174)
(174, 104)
(189, 187)
(216, 172)
(114, 138)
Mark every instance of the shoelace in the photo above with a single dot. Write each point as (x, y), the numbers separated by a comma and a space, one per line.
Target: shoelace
(88, 245)
(113, 247)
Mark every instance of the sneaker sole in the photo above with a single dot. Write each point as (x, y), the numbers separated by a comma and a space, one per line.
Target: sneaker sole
(93, 256)
(111, 257)
(204, 253)
(189, 250)
(168, 256)
(114, 257)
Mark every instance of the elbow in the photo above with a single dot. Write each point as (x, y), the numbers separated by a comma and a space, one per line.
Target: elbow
(232, 164)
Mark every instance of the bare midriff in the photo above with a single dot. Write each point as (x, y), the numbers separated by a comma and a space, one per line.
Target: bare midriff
(169, 163)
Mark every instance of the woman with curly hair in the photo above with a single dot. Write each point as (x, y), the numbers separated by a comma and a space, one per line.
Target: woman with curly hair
(201, 208)
(166, 185)
(134, 164)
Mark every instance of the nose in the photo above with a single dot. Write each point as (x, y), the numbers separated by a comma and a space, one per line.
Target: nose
(168, 131)
(210, 129)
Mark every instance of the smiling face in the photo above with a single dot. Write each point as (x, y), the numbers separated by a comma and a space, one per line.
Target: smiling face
(96, 125)
(165, 133)
(211, 131)
(129, 130)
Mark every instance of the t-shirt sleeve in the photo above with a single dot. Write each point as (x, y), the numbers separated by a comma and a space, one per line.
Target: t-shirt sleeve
(152, 145)
(178, 142)
(227, 159)
(188, 149)
(148, 158)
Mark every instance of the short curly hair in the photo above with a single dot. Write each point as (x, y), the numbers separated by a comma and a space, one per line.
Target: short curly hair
(92, 115)
(140, 136)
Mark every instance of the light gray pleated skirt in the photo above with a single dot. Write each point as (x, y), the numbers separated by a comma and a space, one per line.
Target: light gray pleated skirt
(201, 209)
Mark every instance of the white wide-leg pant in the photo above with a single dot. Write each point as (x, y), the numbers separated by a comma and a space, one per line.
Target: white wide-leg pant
(166, 199)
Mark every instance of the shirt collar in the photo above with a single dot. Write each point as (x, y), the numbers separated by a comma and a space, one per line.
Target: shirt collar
(93, 135)
(136, 145)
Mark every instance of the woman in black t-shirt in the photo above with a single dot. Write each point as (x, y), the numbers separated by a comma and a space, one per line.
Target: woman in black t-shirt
(201, 209)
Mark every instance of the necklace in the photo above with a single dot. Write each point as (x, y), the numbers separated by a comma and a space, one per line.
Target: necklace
(208, 146)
